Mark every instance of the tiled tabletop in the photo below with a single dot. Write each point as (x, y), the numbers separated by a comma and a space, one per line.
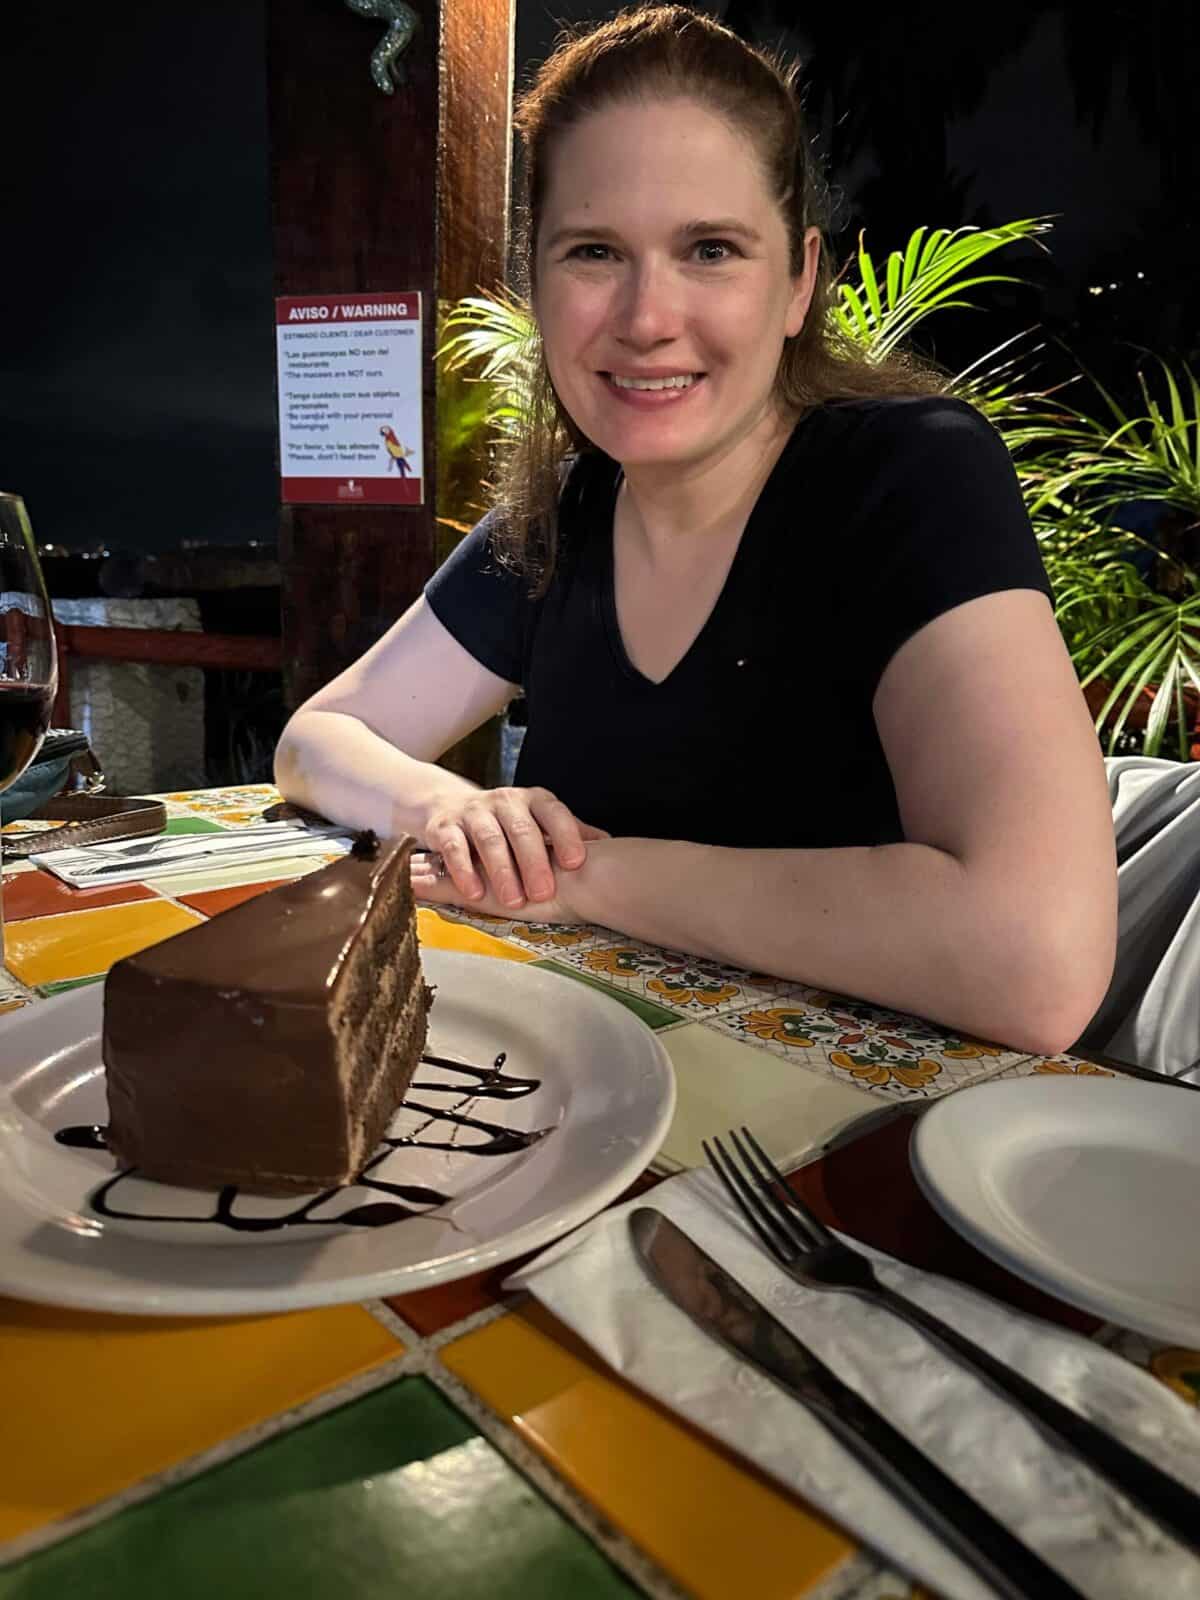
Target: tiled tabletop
(456, 1440)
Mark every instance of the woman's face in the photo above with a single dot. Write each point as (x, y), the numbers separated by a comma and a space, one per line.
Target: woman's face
(662, 260)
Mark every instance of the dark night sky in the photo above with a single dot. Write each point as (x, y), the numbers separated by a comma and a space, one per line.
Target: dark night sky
(136, 373)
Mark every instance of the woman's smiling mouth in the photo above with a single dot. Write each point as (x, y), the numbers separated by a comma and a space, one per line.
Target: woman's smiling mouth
(645, 389)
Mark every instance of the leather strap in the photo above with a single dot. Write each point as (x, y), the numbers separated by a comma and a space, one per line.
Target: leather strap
(89, 819)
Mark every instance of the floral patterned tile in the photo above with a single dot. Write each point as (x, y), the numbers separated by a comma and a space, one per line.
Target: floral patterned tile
(547, 938)
(1029, 1065)
(695, 987)
(232, 807)
(896, 1057)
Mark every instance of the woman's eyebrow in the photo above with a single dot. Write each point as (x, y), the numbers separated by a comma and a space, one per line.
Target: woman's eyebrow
(701, 228)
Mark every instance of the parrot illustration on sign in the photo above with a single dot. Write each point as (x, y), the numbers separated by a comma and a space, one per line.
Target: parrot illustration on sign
(398, 453)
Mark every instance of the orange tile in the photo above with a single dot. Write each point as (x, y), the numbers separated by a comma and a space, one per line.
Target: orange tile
(212, 901)
(437, 934)
(94, 1403)
(38, 894)
(430, 1310)
(717, 1526)
(49, 949)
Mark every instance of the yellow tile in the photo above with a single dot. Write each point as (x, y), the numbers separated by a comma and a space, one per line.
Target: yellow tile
(80, 943)
(95, 1403)
(435, 933)
(724, 1082)
(721, 1529)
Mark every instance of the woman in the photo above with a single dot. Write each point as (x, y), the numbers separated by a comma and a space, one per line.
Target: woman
(796, 695)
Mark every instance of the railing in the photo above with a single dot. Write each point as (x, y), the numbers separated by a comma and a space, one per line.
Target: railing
(166, 647)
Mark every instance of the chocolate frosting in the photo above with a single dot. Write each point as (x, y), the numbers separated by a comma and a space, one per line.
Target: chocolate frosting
(289, 943)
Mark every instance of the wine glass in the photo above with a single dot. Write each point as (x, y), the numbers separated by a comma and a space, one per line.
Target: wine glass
(28, 660)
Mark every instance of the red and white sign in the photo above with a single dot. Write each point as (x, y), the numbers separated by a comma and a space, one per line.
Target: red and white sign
(349, 384)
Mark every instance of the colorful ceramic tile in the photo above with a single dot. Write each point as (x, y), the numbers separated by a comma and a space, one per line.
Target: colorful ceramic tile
(653, 1016)
(893, 1056)
(435, 932)
(1028, 1066)
(50, 949)
(694, 987)
(393, 1494)
(211, 902)
(544, 938)
(431, 1310)
(48, 989)
(719, 1529)
(40, 894)
(721, 1084)
(94, 1403)
(231, 874)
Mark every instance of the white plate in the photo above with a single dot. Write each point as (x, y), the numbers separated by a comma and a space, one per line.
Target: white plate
(606, 1092)
(1088, 1187)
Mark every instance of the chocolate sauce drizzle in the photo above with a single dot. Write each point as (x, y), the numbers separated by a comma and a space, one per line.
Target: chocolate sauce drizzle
(490, 1084)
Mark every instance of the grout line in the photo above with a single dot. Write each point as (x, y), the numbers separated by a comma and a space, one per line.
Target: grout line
(217, 1455)
(590, 1521)
(478, 1319)
(394, 1323)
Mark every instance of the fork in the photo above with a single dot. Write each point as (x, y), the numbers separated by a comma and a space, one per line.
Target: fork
(808, 1252)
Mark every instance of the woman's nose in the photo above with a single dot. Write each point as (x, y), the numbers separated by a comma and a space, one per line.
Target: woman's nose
(648, 310)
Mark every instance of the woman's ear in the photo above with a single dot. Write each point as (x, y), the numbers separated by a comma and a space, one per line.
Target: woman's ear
(804, 284)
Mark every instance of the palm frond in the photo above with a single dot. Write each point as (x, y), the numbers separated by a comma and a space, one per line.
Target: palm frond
(931, 273)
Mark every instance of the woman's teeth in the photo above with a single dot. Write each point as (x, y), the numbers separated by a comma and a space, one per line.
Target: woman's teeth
(684, 380)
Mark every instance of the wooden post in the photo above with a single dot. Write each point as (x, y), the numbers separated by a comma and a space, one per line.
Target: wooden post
(380, 193)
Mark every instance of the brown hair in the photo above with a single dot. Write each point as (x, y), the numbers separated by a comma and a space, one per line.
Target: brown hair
(669, 50)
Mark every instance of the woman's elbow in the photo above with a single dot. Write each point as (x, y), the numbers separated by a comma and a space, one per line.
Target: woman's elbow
(288, 765)
(1059, 978)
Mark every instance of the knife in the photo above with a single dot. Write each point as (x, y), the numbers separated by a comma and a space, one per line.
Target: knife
(719, 1306)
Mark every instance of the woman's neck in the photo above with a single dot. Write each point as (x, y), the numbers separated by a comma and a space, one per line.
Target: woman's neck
(665, 505)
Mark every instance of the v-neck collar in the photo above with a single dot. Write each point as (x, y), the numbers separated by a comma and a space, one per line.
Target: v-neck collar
(607, 587)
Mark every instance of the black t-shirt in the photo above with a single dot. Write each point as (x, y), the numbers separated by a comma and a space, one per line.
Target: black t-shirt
(879, 516)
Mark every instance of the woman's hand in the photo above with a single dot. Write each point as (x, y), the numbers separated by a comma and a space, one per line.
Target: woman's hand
(502, 846)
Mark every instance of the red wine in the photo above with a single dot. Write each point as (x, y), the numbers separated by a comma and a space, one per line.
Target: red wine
(24, 718)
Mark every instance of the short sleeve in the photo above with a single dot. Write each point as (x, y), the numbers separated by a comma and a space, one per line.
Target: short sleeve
(484, 605)
(945, 523)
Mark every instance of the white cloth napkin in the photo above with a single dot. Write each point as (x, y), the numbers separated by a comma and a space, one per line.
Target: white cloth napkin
(166, 855)
(594, 1282)
(1151, 1013)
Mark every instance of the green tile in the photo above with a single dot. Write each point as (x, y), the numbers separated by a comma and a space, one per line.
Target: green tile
(393, 1495)
(47, 989)
(193, 825)
(654, 1016)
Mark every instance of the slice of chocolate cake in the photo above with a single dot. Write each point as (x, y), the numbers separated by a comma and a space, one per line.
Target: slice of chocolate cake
(270, 1046)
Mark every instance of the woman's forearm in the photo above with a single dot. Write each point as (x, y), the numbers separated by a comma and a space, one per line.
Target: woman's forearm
(902, 925)
(332, 763)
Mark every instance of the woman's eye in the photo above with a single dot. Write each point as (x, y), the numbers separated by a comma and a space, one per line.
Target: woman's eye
(716, 249)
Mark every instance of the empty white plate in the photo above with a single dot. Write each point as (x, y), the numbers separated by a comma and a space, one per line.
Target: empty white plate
(1088, 1187)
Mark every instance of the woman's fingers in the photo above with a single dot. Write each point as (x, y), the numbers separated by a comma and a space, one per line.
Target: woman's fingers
(508, 842)
(526, 829)
(501, 831)
(562, 829)
(452, 844)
